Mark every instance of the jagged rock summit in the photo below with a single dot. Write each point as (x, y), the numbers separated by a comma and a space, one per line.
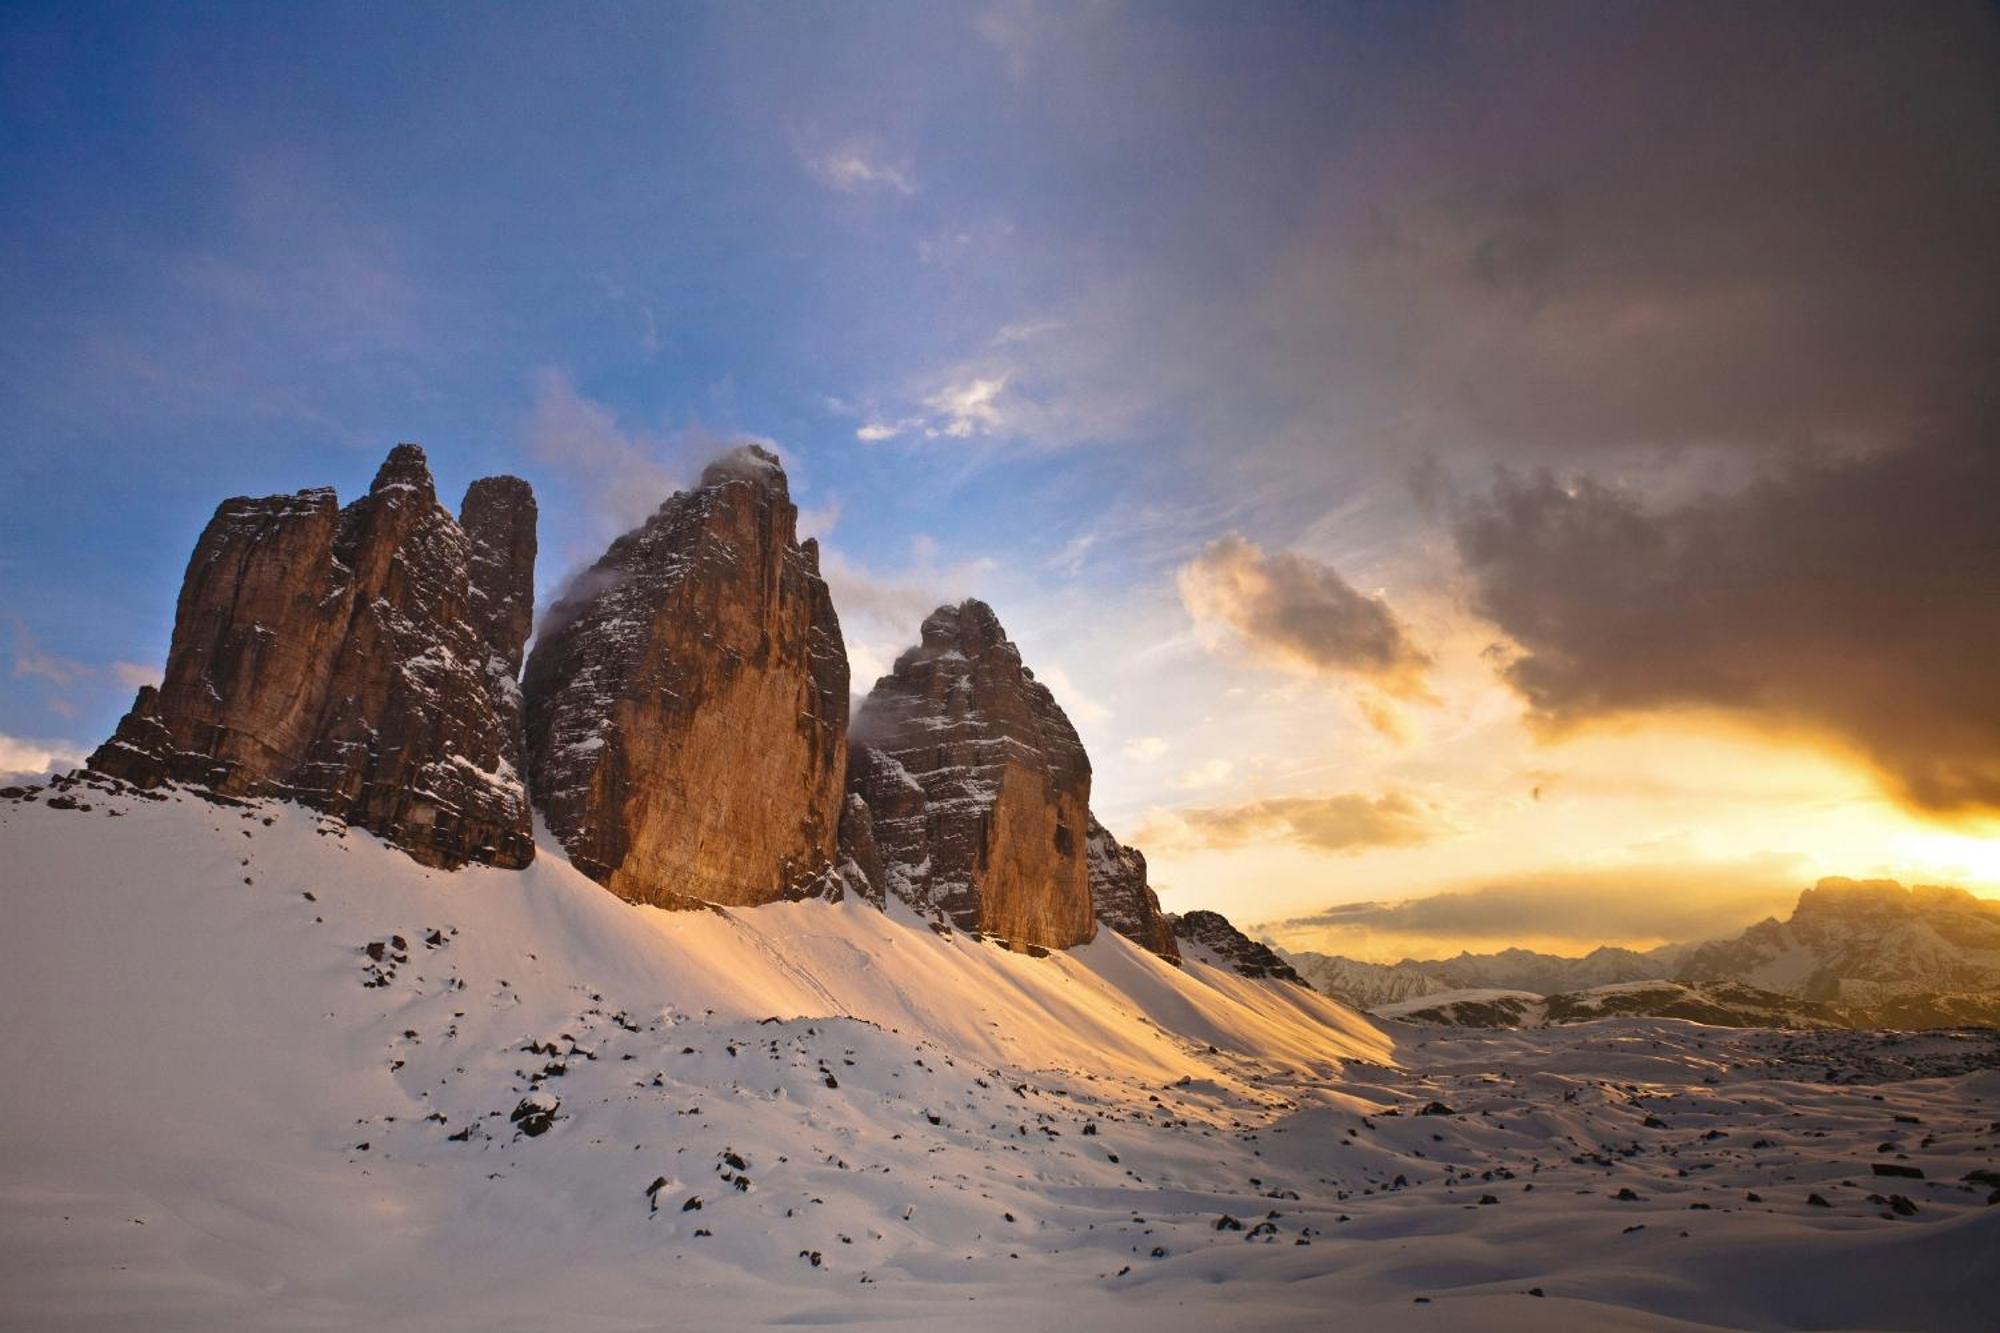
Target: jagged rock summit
(1123, 899)
(358, 660)
(977, 787)
(687, 702)
(1210, 938)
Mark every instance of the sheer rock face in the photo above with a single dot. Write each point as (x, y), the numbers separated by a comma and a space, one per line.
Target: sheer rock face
(1210, 938)
(977, 786)
(339, 657)
(498, 516)
(1123, 899)
(687, 702)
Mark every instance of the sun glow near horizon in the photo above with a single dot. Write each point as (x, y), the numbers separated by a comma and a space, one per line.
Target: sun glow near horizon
(1732, 823)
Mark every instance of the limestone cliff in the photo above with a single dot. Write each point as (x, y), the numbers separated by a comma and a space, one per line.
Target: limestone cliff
(977, 786)
(1122, 898)
(687, 702)
(346, 659)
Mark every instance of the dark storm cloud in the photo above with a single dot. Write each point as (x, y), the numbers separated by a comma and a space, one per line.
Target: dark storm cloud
(1858, 599)
(1747, 225)
(1301, 613)
(1674, 239)
(1346, 823)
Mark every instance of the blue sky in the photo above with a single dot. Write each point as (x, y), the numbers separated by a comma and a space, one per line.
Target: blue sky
(247, 251)
(1184, 334)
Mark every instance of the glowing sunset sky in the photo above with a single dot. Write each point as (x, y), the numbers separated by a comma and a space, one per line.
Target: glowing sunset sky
(1545, 453)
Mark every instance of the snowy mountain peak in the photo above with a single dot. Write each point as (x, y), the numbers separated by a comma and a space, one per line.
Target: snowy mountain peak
(1863, 942)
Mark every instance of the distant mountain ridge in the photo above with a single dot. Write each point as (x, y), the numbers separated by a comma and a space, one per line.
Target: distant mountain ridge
(1854, 953)
(1368, 985)
(1864, 942)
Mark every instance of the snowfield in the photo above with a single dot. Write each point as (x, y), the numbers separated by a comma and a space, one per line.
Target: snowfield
(266, 1072)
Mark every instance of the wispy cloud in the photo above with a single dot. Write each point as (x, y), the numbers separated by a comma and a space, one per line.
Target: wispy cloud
(32, 661)
(624, 471)
(880, 610)
(1210, 773)
(1069, 560)
(1080, 706)
(1145, 749)
(1346, 823)
(132, 675)
(969, 407)
(23, 758)
(857, 165)
(1630, 904)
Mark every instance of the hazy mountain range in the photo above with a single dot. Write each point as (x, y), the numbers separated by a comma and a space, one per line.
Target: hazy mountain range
(1852, 954)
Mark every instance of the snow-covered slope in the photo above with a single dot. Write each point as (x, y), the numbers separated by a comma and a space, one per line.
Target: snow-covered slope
(1716, 1003)
(269, 1073)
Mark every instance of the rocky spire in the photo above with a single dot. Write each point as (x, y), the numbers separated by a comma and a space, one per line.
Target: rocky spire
(329, 655)
(406, 468)
(978, 787)
(498, 516)
(1121, 896)
(687, 701)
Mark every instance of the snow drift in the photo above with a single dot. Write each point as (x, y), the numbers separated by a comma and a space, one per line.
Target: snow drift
(269, 1072)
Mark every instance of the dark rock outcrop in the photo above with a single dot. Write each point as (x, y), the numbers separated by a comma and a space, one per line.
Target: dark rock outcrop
(860, 859)
(1122, 898)
(351, 659)
(1210, 933)
(978, 788)
(687, 702)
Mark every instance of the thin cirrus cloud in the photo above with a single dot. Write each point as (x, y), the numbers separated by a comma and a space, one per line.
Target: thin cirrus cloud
(624, 471)
(1854, 600)
(1300, 614)
(961, 409)
(32, 661)
(857, 166)
(1347, 823)
(1638, 904)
